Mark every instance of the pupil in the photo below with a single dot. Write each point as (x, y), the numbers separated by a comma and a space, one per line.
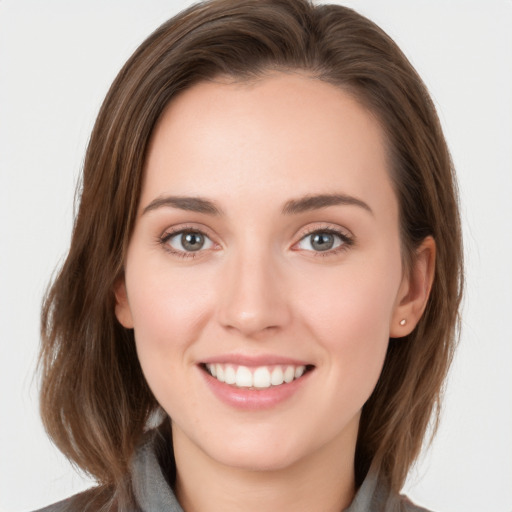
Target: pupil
(322, 241)
(192, 241)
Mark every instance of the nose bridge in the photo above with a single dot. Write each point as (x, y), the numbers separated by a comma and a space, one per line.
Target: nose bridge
(253, 297)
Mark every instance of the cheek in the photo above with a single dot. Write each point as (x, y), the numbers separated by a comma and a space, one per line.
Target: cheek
(360, 303)
(349, 315)
(169, 311)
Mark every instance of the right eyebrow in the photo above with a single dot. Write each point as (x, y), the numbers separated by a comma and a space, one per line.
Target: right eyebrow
(317, 202)
(191, 204)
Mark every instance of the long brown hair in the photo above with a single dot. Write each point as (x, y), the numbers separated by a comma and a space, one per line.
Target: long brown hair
(95, 402)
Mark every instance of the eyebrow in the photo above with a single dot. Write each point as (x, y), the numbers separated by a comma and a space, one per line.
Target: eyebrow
(191, 204)
(317, 202)
(291, 207)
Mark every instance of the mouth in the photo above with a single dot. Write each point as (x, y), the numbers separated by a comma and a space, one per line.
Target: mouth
(258, 377)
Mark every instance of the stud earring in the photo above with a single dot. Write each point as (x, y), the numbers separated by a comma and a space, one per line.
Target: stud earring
(403, 322)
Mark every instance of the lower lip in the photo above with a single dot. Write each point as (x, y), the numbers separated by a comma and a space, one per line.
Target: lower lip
(253, 399)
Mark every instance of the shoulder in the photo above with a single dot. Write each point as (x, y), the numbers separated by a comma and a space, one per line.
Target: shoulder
(376, 495)
(97, 499)
(61, 506)
(408, 506)
(141, 478)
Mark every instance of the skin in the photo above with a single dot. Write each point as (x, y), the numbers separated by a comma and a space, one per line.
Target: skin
(258, 286)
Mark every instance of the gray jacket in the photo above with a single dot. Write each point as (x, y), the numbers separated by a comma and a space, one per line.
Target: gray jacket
(154, 494)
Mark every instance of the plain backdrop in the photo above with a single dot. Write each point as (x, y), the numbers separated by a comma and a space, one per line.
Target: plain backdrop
(57, 59)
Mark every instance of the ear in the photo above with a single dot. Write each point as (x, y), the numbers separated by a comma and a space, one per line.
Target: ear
(122, 309)
(414, 290)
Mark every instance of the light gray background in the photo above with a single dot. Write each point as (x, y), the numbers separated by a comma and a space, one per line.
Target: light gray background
(57, 59)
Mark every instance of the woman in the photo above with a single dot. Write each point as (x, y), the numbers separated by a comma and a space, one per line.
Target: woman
(265, 266)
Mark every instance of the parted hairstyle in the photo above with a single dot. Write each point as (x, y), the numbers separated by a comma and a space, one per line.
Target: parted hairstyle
(95, 401)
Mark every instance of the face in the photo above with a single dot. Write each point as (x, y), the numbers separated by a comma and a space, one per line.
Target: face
(263, 278)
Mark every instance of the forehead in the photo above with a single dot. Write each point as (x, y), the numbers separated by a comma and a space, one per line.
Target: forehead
(284, 130)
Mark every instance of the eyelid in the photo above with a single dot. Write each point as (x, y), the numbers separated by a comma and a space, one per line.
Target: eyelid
(325, 226)
(179, 235)
(173, 231)
(343, 233)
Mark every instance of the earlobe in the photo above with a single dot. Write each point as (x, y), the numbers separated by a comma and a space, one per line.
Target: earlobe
(414, 290)
(122, 308)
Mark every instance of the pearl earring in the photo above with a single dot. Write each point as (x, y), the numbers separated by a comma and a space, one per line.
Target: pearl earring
(403, 322)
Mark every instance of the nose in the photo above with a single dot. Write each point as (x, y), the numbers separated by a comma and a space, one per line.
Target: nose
(253, 298)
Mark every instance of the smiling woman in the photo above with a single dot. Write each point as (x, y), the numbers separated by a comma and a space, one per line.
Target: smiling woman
(268, 307)
(266, 260)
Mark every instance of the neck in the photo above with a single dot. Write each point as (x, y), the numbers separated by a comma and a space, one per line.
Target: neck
(323, 481)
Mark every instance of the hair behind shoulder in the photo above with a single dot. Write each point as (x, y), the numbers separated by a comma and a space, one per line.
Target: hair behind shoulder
(95, 402)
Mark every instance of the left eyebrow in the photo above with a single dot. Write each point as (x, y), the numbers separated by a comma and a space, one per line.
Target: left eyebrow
(191, 204)
(317, 202)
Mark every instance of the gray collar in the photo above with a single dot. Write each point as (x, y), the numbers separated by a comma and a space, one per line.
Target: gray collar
(150, 486)
(154, 494)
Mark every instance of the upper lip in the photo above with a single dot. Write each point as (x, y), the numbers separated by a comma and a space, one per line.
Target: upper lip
(255, 360)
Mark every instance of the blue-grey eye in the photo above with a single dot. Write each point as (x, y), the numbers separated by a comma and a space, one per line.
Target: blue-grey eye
(189, 241)
(320, 241)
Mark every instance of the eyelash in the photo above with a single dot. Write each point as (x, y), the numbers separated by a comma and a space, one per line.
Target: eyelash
(347, 241)
(163, 240)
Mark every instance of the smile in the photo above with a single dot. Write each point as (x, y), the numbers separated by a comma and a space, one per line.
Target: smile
(259, 377)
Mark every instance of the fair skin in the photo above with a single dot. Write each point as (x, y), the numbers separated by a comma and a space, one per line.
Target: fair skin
(285, 254)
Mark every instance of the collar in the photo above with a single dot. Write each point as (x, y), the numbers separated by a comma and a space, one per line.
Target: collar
(154, 494)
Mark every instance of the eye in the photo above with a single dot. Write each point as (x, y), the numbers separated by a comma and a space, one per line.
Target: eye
(323, 240)
(187, 241)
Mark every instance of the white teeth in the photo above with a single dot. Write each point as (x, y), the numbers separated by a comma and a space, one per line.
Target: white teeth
(289, 374)
(261, 377)
(299, 371)
(220, 372)
(243, 377)
(277, 376)
(229, 375)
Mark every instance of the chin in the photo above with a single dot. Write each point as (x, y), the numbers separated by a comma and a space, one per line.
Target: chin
(261, 455)
(257, 462)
